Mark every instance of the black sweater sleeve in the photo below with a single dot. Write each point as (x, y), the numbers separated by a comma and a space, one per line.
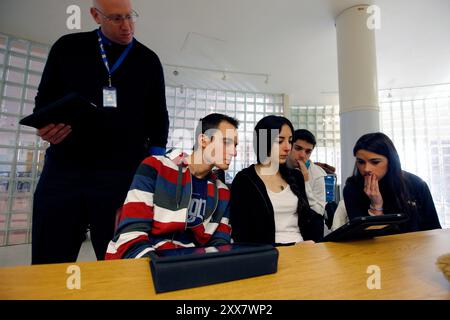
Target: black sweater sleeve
(240, 210)
(51, 86)
(428, 219)
(310, 222)
(356, 203)
(158, 130)
(252, 218)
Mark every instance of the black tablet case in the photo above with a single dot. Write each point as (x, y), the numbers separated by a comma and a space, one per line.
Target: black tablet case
(367, 227)
(185, 271)
(70, 110)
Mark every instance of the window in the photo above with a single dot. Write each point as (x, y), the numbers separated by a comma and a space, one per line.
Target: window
(323, 122)
(21, 151)
(187, 105)
(420, 130)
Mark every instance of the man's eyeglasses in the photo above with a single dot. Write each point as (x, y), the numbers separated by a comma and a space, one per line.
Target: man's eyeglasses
(118, 19)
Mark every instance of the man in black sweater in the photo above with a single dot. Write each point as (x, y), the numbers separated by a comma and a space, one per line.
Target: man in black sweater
(89, 167)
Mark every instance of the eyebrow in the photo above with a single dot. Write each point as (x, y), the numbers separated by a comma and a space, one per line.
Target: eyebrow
(229, 140)
(371, 159)
(299, 146)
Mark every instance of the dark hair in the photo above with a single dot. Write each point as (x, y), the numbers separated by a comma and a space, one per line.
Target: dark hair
(212, 121)
(303, 134)
(268, 124)
(393, 183)
(263, 130)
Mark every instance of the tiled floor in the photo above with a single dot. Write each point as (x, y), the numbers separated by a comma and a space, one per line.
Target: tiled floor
(20, 255)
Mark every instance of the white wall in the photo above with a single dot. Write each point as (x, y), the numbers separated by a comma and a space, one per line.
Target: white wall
(40, 20)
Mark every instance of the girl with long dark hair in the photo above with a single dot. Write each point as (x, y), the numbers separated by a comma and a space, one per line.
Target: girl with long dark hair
(268, 201)
(380, 186)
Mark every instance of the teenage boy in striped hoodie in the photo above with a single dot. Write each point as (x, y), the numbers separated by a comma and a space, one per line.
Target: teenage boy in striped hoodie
(176, 200)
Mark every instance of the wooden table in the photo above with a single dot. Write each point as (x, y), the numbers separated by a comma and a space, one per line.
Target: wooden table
(306, 271)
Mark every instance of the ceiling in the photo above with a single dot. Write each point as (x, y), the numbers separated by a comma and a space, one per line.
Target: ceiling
(293, 41)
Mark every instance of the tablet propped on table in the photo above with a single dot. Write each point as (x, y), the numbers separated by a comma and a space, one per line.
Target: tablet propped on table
(367, 227)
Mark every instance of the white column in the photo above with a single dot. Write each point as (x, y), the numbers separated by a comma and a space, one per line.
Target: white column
(358, 88)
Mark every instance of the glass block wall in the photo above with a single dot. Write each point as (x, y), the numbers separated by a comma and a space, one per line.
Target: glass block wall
(187, 105)
(21, 151)
(323, 122)
(420, 130)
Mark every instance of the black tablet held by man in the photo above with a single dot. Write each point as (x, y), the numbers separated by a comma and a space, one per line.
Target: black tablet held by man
(367, 227)
(70, 109)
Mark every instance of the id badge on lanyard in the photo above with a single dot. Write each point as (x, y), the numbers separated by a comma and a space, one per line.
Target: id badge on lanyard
(109, 97)
(109, 92)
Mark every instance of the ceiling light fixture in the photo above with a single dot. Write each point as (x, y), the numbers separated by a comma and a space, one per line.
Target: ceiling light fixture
(398, 88)
(389, 95)
(223, 72)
